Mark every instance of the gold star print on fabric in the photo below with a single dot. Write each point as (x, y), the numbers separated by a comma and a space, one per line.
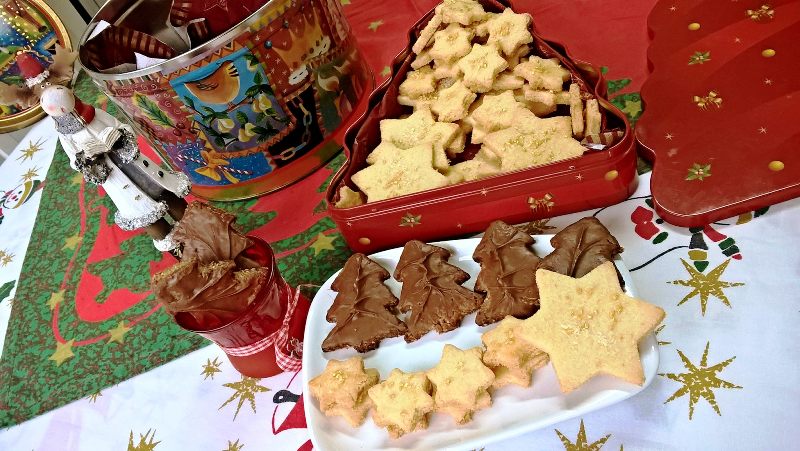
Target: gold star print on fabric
(658, 331)
(632, 108)
(63, 352)
(410, 220)
(55, 299)
(6, 257)
(118, 333)
(145, 442)
(244, 390)
(234, 446)
(30, 151)
(705, 285)
(386, 71)
(699, 381)
(323, 243)
(581, 443)
(93, 397)
(30, 174)
(374, 25)
(71, 242)
(210, 368)
(76, 179)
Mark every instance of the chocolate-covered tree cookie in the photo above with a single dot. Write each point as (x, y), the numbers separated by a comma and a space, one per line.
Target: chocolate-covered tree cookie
(364, 308)
(580, 248)
(508, 274)
(432, 290)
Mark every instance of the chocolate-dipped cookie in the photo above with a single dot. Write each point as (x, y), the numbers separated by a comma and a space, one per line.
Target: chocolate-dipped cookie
(364, 308)
(432, 290)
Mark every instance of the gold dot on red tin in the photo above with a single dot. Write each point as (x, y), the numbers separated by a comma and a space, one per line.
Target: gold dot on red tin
(364, 240)
(768, 53)
(611, 175)
(776, 165)
(694, 26)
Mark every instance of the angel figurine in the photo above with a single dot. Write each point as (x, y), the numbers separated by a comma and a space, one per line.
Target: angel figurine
(105, 151)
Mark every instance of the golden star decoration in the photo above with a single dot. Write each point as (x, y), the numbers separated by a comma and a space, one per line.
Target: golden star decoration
(63, 352)
(244, 390)
(699, 58)
(699, 172)
(699, 381)
(323, 243)
(210, 368)
(30, 174)
(30, 151)
(386, 71)
(374, 25)
(234, 446)
(71, 242)
(145, 441)
(410, 220)
(581, 442)
(56, 298)
(118, 333)
(93, 397)
(706, 285)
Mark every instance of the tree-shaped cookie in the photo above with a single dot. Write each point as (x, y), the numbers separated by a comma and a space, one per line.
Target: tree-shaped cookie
(508, 274)
(432, 290)
(580, 248)
(363, 309)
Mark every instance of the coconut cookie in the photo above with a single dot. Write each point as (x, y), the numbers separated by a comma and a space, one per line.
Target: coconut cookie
(342, 389)
(589, 326)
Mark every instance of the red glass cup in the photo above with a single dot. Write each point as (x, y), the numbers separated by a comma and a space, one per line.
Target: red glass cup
(246, 338)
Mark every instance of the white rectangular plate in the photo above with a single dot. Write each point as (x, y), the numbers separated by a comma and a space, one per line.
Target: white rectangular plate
(515, 410)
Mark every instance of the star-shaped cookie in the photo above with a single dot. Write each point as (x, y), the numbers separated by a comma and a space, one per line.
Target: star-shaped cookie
(589, 326)
(451, 43)
(453, 103)
(509, 30)
(461, 11)
(402, 402)
(512, 360)
(460, 382)
(399, 172)
(418, 82)
(480, 67)
(543, 73)
(496, 112)
(342, 389)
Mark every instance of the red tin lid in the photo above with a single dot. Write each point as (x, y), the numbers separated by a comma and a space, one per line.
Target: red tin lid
(722, 105)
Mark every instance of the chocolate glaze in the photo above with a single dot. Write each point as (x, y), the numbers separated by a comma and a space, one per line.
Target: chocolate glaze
(364, 308)
(213, 294)
(508, 274)
(208, 234)
(580, 248)
(432, 290)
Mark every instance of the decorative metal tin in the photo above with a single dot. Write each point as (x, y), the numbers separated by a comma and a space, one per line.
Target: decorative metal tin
(722, 103)
(597, 179)
(26, 23)
(252, 110)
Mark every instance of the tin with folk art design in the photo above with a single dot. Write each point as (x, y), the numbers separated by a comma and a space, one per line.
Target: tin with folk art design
(251, 110)
(596, 179)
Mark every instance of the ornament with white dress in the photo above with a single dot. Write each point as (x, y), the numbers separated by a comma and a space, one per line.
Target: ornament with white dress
(105, 151)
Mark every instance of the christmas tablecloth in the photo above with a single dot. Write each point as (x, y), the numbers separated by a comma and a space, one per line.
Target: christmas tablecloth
(727, 374)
